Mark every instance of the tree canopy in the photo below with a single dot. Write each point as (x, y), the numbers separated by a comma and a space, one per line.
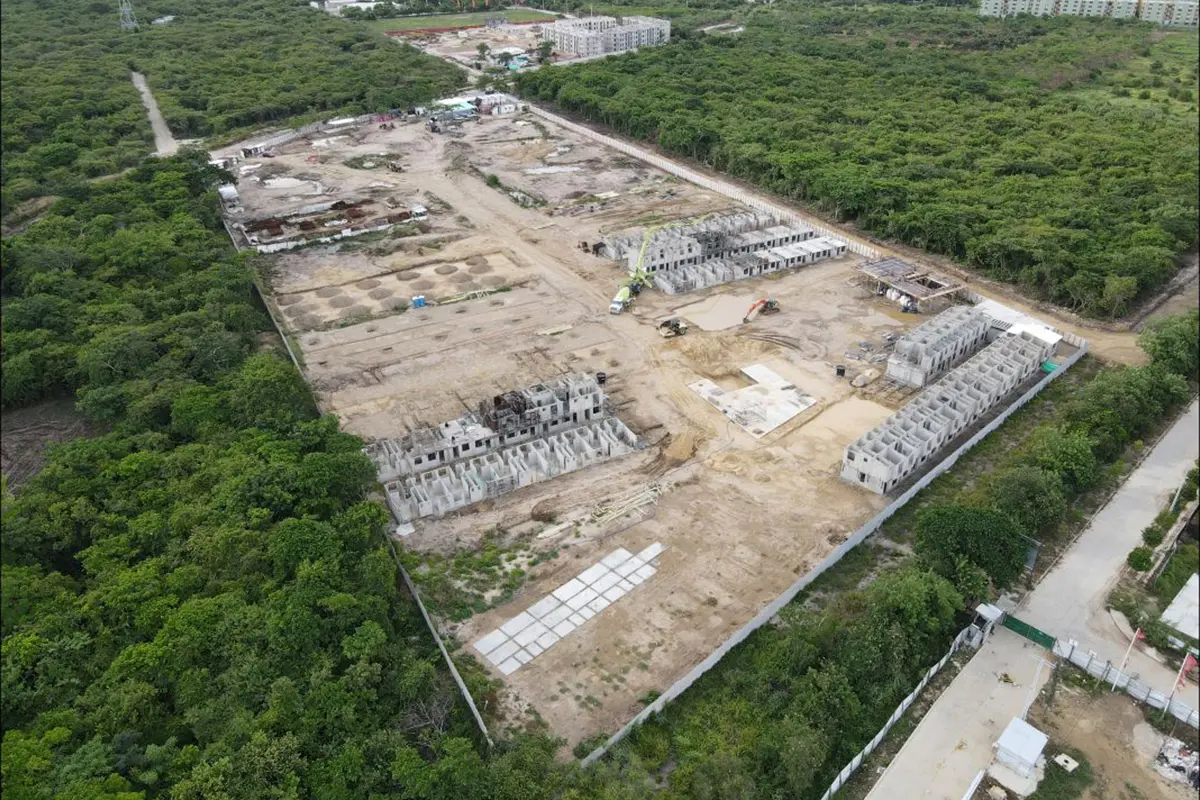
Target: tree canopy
(997, 142)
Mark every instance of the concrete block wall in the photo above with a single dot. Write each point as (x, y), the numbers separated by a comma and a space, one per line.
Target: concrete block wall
(547, 408)
(435, 493)
(749, 265)
(886, 455)
(938, 344)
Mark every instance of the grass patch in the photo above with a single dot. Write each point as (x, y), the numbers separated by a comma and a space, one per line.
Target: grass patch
(1060, 784)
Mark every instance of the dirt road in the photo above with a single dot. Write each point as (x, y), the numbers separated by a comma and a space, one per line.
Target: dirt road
(1119, 346)
(164, 142)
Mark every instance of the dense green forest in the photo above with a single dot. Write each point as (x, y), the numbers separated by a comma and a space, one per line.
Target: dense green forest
(198, 604)
(1058, 154)
(70, 110)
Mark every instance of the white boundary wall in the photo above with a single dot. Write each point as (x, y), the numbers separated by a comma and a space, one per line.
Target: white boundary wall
(857, 761)
(703, 181)
(1106, 673)
(789, 594)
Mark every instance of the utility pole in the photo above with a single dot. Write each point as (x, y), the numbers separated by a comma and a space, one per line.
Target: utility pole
(128, 20)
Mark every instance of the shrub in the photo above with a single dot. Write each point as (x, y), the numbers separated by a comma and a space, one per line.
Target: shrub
(1139, 559)
(1152, 536)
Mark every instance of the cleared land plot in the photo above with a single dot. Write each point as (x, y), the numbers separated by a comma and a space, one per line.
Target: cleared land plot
(1112, 732)
(26, 433)
(739, 517)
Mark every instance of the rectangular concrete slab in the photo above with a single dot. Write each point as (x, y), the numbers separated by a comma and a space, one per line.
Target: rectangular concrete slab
(569, 589)
(586, 612)
(509, 667)
(523, 656)
(547, 639)
(632, 565)
(502, 652)
(636, 578)
(598, 605)
(607, 582)
(530, 634)
(534, 649)
(583, 598)
(563, 628)
(625, 586)
(618, 556)
(557, 615)
(652, 552)
(577, 619)
(614, 594)
(490, 642)
(517, 624)
(544, 606)
(593, 572)
(645, 572)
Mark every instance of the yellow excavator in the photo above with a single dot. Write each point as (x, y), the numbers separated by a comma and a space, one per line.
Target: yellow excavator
(763, 306)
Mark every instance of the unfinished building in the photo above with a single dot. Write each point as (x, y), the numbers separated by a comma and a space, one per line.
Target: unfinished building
(883, 457)
(720, 249)
(318, 222)
(516, 439)
(938, 344)
(914, 288)
(596, 36)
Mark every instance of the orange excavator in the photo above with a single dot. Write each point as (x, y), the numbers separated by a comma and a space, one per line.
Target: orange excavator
(763, 306)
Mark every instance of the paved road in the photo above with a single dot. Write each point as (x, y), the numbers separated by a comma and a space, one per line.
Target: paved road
(164, 142)
(954, 740)
(1070, 601)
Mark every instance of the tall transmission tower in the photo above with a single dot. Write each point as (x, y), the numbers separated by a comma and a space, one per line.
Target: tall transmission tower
(128, 20)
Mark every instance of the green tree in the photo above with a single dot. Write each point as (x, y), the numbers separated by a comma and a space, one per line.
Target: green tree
(1066, 453)
(1174, 343)
(987, 538)
(1031, 496)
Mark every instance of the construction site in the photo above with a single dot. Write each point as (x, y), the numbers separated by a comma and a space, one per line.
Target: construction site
(508, 314)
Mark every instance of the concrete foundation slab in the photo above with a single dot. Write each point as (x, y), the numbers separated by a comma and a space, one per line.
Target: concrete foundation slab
(757, 409)
(555, 616)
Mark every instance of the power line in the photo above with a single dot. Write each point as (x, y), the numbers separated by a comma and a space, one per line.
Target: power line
(128, 20)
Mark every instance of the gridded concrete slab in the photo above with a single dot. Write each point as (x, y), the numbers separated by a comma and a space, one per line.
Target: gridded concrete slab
(516, 624)
(760, 408)
(530, 633)
(490, 642)
(544, 606)
(616, 557)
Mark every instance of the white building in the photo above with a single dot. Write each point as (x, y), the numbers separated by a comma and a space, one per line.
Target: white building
(1179, 13)
(596, 36)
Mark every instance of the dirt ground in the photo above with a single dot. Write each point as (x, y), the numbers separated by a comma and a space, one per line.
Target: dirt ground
(26, 433)
(517, 302)
(1110, 729)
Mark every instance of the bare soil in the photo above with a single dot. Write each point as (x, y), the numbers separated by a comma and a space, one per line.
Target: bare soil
(741, 518)
(26, 433)
(1110, 729)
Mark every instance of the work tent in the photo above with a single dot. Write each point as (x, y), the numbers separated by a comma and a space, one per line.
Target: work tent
(1020, 747)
